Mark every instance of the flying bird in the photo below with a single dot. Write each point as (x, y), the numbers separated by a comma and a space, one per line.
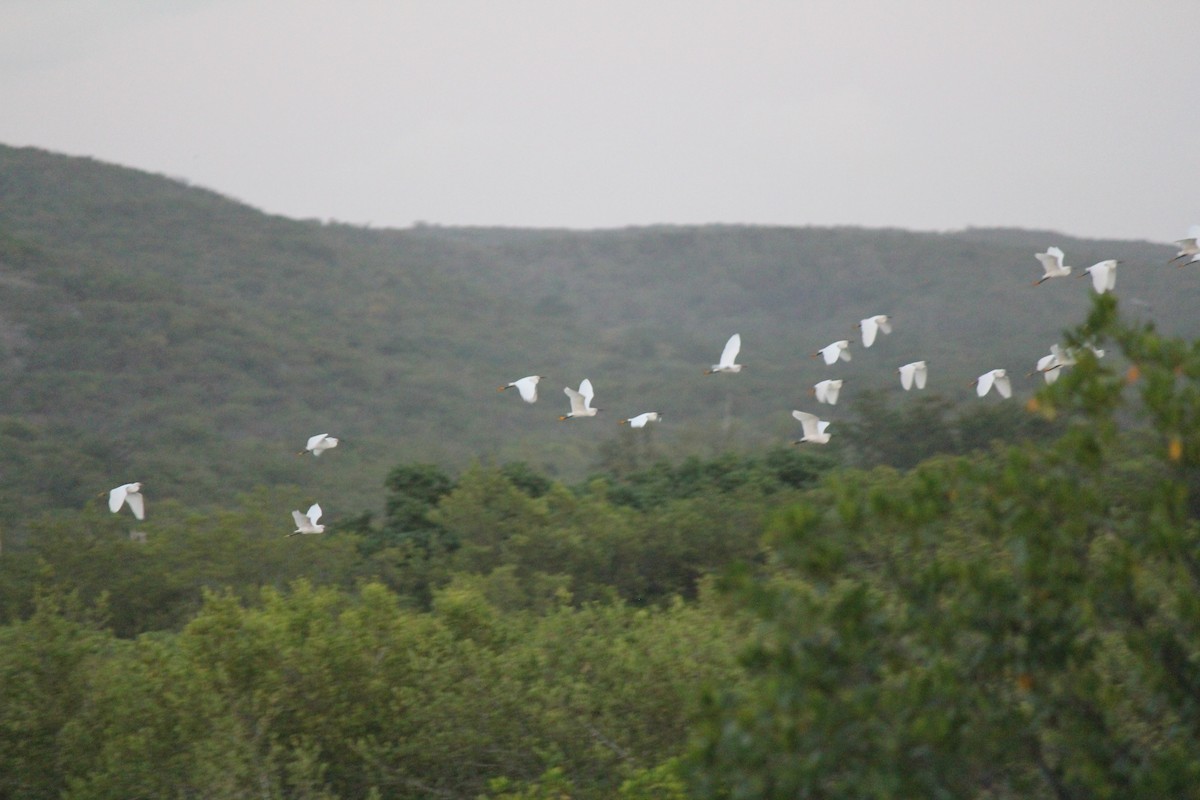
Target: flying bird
(871, 325)
(1188, 248)
(581, 401)
(915, 372)
(527, 386)
(997, 377)
(728, 356)
(131, 494)
(1052, 364)
(827, 391)
(318, 444)
(1048, 366)
(832, 352)
(1052, 263)
(814, 428)
(307, 522)
(1104, 275)
(641, 419)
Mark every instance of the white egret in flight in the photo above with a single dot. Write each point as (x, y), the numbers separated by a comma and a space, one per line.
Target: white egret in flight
(827, 391)
(997, 378)
(318, 444)
(527, 386)
(871, 325)
(1188, 249)
(1052, 263)
(307, 522)
(1058, 359)
(131, 494)
(914, 372)
(1104, 275)
(641, 419)
(581, 401)
(832, 352)
(814, 428)
(728, 356)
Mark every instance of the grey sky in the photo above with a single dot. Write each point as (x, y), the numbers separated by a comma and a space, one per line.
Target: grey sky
(1081, 116)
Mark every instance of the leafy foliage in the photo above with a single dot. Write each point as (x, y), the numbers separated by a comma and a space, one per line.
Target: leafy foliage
(993, 599)
(1022, 625)
(155, 331)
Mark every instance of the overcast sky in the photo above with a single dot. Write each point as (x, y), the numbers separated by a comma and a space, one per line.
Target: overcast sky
(1081, 116)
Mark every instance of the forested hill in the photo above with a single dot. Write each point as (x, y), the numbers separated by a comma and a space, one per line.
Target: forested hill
(154, 331)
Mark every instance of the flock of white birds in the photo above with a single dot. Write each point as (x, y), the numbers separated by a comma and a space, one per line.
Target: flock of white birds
(814, 429)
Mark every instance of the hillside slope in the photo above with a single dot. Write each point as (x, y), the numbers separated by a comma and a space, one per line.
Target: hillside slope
(150, 330)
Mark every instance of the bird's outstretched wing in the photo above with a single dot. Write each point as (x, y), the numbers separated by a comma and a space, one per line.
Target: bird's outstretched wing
(730, 353)
(314, 513)
(831, 353)
(1003, 386)
(587, 392)
(115, 498)
(809, 422)
(1104, 276)
(137, 504)
(921, 373)
(578, 404)
(528, 389)
(984, 384)
(869, 327)
(1052, 260)
(1188, 247)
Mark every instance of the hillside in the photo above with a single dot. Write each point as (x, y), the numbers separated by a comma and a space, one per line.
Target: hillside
(150, 330)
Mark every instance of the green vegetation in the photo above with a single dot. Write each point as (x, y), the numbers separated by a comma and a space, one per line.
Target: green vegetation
(1020, 625)
(158, 332)
(1019, 622)
(986, 599)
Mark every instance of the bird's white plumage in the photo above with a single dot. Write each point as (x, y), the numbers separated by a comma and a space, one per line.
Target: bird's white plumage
(320, 443)
(527, 387)
(872, 325)
(832, 352)
(1188, 248)
(1049, 366)
(996, 377)
(1054, 362)
(827, 391)
(581, 400)
(1052, 264)
(307, 522)
(1104, 275)
(914, 372)
(641, 419)
(130, 494)
(729, 356)
(814, 428)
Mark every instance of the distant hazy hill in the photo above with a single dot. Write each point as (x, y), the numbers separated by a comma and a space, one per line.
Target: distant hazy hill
(154, 331)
